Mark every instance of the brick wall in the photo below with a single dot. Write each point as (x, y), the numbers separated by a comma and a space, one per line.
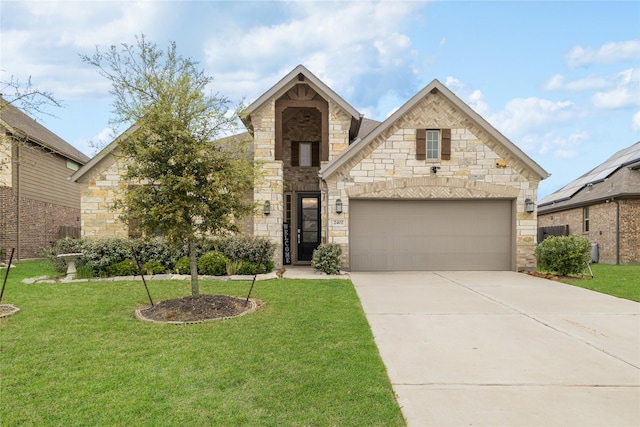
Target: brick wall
(39, 224)
(603, 228)
(630, 231)
(303, 126)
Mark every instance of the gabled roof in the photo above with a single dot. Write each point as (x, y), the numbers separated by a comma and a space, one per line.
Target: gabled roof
(102, 154)
(21, 125)
(358, 145)
(289, 81)
(618, 176)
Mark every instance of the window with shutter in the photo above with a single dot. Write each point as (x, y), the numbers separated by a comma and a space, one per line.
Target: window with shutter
(433, 144)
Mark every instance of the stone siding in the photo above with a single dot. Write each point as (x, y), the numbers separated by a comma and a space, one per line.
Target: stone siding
(479, 167)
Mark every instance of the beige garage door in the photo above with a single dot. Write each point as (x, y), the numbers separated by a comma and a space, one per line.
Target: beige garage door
(414, 235)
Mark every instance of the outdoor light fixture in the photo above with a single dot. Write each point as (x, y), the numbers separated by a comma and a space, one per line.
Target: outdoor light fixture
(435, 169)
(338, 206)
(529, 206)
(267, 208)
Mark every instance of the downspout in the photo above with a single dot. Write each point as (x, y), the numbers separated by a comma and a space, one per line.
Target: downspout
(324, 190)
(617, 232)
(17, 187)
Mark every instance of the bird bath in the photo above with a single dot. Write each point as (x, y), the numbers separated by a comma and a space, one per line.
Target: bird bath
(70, 259)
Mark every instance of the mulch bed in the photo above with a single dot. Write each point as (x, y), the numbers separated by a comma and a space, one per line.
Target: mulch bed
(197, 309)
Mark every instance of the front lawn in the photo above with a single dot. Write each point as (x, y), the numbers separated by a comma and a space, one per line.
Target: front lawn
(75, 355)
(622, 281)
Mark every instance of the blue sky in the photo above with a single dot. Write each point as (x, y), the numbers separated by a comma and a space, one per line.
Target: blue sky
(560, 79)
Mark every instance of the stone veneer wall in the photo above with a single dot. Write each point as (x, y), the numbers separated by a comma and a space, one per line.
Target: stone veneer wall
(100, 189)
(387, 168)
(271, 185)
(603, 228)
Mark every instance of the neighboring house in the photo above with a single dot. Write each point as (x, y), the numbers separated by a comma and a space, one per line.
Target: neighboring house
(38, 202)
(602, 205)
(433, 187)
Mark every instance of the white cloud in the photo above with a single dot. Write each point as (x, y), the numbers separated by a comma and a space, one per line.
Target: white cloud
(44, 38)
(561, 147)
(91, 146)
(635, 122)
(626, 92)
(364, 38)
(606, 54)
(523, 115)
(558, 83)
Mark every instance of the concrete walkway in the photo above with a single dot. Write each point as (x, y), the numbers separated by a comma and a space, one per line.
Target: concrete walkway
(504, 349)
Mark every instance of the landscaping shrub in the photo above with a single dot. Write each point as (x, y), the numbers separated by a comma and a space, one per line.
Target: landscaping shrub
(233, 267)
(213, 263)
(104, 252)
(127, 267)
(563, 255)
(158, 249)
(247, 248)
(327, 258)
(247, 268)
(182, 266)
(153, 267)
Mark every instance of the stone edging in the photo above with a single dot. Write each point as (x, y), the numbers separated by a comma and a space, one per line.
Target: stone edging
(13, 310)
(140, 316)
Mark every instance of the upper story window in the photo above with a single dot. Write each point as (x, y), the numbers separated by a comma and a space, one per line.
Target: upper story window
(305, 154)
(433, 144)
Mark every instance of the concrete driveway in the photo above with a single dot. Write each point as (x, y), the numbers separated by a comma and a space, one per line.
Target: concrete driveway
(504, 349)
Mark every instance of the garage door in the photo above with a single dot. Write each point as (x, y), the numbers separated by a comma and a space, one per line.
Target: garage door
(414, 235)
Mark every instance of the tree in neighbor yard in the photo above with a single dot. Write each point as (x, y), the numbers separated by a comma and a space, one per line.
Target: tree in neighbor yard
(183, 180)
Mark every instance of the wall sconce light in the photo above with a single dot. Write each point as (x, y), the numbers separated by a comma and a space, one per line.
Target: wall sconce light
(267, 208)
(338, 206)
(529, 206)
(435, 169)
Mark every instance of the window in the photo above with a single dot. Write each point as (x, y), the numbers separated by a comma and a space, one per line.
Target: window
(585, 214)
(433, 144)
(305, 154)
(433, 138)
(72, 165)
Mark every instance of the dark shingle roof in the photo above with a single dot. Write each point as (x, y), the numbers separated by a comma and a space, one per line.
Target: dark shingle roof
(18, 122)
(618, 176)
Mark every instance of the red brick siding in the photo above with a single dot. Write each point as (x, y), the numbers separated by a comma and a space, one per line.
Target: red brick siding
(630, 231)
(602, 228)
(39, 224)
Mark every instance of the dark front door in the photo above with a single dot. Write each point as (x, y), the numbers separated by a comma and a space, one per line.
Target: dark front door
(308, 225)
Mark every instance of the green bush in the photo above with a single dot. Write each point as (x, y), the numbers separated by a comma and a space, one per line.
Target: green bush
(563, 255)
(153, 267)
(233, 267)
(182, 266)
(244, 247)
(327, 258)
(127, 267)
(158, 249)
(247, 268)
(213, 263)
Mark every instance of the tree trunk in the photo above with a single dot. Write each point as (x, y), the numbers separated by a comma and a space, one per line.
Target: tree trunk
(193, 266)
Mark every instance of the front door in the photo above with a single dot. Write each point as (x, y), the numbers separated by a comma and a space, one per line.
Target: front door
(308, 225)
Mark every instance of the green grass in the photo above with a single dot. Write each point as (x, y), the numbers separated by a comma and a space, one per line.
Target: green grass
(75, 355)
(622, 281)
